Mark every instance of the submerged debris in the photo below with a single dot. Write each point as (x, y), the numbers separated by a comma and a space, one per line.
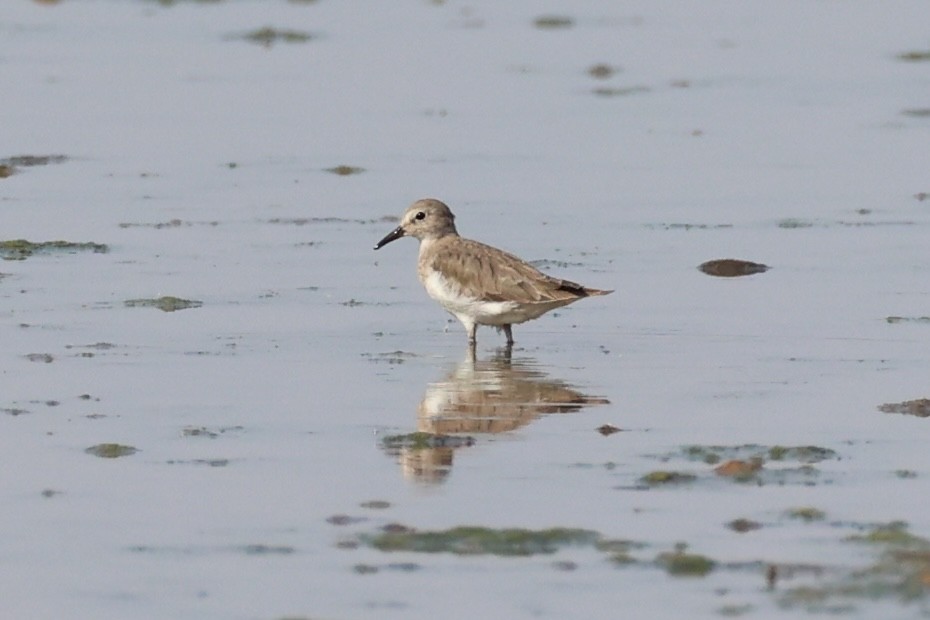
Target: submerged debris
(732, 268)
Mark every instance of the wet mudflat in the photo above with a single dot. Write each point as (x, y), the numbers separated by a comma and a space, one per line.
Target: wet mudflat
(218, 402)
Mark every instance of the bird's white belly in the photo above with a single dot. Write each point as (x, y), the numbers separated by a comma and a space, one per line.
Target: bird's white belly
(482, 312)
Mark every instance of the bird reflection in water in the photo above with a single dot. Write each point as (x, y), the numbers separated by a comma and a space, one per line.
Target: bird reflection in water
(497, 395)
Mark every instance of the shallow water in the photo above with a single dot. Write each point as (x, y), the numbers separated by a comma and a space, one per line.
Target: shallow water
(778, 133)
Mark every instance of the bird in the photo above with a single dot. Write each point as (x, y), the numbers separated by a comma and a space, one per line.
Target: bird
(477, 283)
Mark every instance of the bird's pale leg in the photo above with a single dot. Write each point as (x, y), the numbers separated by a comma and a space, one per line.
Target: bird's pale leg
(472, 330)
(509, 333)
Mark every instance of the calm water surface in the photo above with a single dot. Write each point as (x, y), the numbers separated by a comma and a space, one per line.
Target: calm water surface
(620, 145)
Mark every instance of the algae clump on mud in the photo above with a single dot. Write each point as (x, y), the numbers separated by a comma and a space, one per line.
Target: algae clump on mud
(165, 304)
(21, 249)
(472, 540)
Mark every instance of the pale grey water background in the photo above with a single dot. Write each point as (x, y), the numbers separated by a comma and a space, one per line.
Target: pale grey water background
(740, 120)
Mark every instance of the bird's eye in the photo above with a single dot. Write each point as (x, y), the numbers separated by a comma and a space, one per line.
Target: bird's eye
(420, 215)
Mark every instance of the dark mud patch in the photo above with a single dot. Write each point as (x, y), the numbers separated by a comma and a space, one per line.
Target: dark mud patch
(742, 525)
(919, 407)
(165, 304)
(21, 249)
(9, 165)
(110, 450)
(175, 223)
(371, 569)
(917, 112)
(915, 56)
(309, 221)
(354, 303)
(344, 170)
(792, 222)
(686, 226)
(269, 36)
(602, 71)
(546, 263)
(209, 433)
(732, 268)
(553, 22)
(467, 540)
(620, 91)
(41, 358)
(376, 504)
(342, 520)
(390, 357)
(608, 429)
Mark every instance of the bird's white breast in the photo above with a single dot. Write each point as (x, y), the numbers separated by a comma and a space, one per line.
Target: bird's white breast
(454, 300)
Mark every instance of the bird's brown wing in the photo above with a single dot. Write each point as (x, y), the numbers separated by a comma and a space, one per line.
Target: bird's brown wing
(489, 274)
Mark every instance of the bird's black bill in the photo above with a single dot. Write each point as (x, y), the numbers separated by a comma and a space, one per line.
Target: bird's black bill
(397, 233)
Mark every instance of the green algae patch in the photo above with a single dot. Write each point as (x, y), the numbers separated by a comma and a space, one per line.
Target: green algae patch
(110, 450)
(907, 319)
(423, 441)
(900, 572)
(807, 514)
(165, 304)
(663, 477)
(619, 551)
(795, 223)
(680, 563)
(469, 540)
(268, 36)
(894, 533)
(755, 452)
(21, 249)
(345, 171)
(754, 463)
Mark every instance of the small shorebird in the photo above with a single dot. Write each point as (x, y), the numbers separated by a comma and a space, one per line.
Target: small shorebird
(478, 284)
